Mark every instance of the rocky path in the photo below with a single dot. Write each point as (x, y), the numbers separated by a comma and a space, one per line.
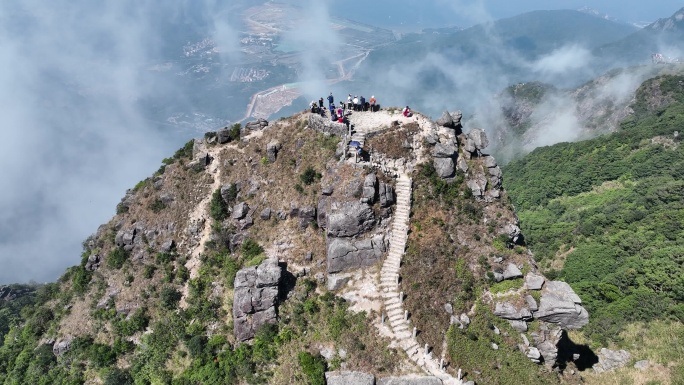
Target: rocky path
(199, 215)
(400, 324)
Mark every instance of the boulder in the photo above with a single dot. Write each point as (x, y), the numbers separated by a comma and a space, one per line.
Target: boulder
(255, 298)
(327, 190)
(559, 304)
(410, 380)
(444, 167)
(534, 281)
(456, 117)
(370, 185)
(350, 219)
(512, 272)
(509, 311)
(534, 354)
(442, 150)
(336, 281)
(489, 161)
(386, 194)
(168, 246)
(240, 210)
(531, 303)
(256, 125)
(349, 378)
(477, 184)
(642, 365)
(93, 262)
(61, 346)
(321, 212)
(265, 214)
(445, 120)
(518, 325)
(223, 136)
(610, 360)
(272, 149)
(307, 214)
(479, 138)
(345, 254)
(462, 164)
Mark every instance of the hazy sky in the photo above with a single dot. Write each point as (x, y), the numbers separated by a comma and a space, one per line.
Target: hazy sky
(73, 71)
(412, 15)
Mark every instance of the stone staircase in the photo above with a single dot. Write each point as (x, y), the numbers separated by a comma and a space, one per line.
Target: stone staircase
(359, 136)
(392, 296)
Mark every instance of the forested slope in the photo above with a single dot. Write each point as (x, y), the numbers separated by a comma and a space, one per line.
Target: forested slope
(607, 214)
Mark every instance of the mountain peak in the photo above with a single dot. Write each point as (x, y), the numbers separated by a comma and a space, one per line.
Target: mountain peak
(672, 23)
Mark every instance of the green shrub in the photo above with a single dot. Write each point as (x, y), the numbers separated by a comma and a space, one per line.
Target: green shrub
(230, 269)
(185, 151)
(121, 208)
(157, 205)
(313, 367)
(169, 297)
(309, 176)
(80, 279)
(148, 271)
(250, 249)
(137, 322)
(118, 376)
(117, 257)
(218, 208)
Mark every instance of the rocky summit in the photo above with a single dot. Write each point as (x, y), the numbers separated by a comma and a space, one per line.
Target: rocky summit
(278, 253)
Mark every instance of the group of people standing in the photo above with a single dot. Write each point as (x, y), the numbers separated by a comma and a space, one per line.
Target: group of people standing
(338, 113)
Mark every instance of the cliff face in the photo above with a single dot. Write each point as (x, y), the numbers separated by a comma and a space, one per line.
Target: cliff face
(248, 246)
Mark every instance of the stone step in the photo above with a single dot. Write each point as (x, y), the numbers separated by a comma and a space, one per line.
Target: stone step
(396, 305)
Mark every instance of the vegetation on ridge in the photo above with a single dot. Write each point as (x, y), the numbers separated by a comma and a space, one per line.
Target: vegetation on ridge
(606, 215)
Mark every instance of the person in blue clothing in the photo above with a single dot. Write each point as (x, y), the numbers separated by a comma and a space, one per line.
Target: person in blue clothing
(362, 103)
(330, 99)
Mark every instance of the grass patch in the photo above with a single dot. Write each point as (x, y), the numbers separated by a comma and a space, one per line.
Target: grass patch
(506, 285)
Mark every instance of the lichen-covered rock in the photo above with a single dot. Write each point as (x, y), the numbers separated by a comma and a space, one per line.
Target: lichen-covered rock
(62, 346)
(350, 219)
(409, 380)
(611, 359)
(512, 272)
(445, 120)
(479, 138)
(444, 167)
(370, 185)
(559, 304)
(257, 124)
(509, 311)
(255, 298)
(272, 149)
(345, 254)
(240, 210)
(386, 194)
(534, 281)
(349, 378)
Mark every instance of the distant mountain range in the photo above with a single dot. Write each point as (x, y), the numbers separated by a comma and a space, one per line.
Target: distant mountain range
(664, 36)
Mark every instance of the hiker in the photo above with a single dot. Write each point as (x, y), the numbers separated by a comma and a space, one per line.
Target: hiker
(349, 102)
(320, 102)
(372, 102)
(330, 99)
(332, 108)
(362, 101)
(314, 107)
(356, 103)
(340, 111)
(407, 112)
